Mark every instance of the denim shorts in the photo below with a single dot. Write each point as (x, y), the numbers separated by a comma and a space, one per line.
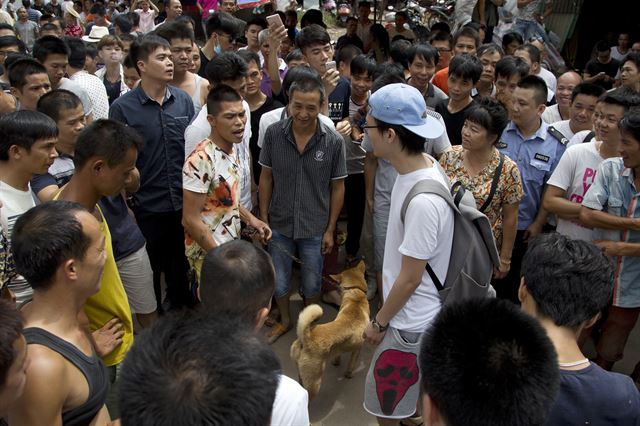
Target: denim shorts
(308, 250)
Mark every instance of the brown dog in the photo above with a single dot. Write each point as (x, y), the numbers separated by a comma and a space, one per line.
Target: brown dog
(317, 342)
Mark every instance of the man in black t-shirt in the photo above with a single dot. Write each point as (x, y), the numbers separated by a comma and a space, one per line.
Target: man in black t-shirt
(464, 73)
(603, 69)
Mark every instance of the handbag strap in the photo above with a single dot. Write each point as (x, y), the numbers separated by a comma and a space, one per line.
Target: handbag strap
(494, 184)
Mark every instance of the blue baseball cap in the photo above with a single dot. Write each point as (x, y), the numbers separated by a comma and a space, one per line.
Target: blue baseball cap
(404, 105)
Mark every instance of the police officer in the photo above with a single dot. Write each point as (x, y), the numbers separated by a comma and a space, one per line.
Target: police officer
(536, 148)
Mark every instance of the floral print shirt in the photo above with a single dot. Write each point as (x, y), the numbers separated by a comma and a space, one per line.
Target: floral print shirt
(209, 170)
(509, 190)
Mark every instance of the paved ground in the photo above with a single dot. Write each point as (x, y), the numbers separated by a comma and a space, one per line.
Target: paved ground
(340, 400)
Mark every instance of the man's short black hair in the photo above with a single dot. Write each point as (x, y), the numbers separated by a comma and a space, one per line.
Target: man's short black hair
(21, 69)
(509, 66)
(49, 27)
(466, 67)
(222, 22)
(237, 278)
(633, 57)
(49, 45)
(134, 18)
(403, 14)
(630, 123)
(352, 18)
(108, 139)
(92, 50)
(10, 41)
(538, 85)
(175, 30)
(46, 236)
(347, 53)
(469, 33)
(258, 21)
(310, 17)
(441, 27)
(5, 26)
(387, 73)
(398, 52)
(140, 51)
(623, 96)
(364, 4)
(294, 55)
(426, 52)
(409, 141)
(306, 86)
(124, 23)
(219, 94)
(510, 37)
(24, 128)
(249, 56)
(77, 52)
(485, 362)
(570, 280)
(227, 66)
(198, 370)
(312, 35)
(602, 46)
(533, 51)
(588, 89)
(303, 75)
(362, 64)
(53, 103)
(98, 9)
(490, 48)
(11, 325)
(490, 114)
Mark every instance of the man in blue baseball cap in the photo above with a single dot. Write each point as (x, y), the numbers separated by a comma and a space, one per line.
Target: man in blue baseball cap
(397, 126)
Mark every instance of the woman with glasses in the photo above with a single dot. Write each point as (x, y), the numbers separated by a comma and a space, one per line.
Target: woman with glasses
(493, 178)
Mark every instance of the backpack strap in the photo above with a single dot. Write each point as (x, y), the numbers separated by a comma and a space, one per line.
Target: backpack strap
(429, 186)
(494, 184)
(589, 137)
(558, 135)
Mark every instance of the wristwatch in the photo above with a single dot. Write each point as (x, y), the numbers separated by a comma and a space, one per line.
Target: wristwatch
(376, 324)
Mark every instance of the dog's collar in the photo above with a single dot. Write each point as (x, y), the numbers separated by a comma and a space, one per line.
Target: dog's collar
(357, 288)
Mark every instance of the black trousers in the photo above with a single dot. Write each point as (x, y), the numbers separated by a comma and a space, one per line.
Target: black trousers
(165, 245)
(507, 287)
(354, 201)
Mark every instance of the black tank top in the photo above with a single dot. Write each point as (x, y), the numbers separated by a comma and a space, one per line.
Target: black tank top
(91, 367)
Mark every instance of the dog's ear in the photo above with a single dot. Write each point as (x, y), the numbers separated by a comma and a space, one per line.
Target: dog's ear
(361, 265)
(337, 278)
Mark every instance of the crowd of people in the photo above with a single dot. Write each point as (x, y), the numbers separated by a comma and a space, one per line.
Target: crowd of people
(158, 192)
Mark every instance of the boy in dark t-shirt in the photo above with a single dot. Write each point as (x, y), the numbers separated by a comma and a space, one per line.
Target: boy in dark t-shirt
(566, 283)
(464, 73)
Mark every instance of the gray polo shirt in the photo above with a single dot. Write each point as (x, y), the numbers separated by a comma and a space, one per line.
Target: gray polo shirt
(301, 195)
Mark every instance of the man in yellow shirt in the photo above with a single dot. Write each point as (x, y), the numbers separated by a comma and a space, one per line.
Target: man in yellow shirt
(104, 159)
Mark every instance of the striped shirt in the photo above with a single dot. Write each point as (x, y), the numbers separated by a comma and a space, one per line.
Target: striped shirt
(301, 195)
(613, 191)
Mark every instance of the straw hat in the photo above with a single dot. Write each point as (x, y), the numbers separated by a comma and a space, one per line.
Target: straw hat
(68, 7)
(96, 34)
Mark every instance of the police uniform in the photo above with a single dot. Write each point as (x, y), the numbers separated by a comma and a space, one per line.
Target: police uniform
(537, 157)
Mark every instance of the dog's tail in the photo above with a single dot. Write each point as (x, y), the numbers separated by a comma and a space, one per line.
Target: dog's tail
(309, 315)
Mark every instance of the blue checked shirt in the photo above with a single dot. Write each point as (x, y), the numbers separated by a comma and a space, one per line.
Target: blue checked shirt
(537, 158)
(614, 192)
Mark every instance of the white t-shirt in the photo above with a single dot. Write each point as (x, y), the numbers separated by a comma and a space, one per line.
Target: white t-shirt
(575, 173)
(273, 116)
(580, 137)
(551, 114)
(200, 129)
(290, 407)
(564, 128)
(549, 78)
(615, 54)
(97, 93)
(14, 204)
(427, 234)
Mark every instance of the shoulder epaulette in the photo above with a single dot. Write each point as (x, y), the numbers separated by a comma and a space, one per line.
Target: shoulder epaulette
(558, 135)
